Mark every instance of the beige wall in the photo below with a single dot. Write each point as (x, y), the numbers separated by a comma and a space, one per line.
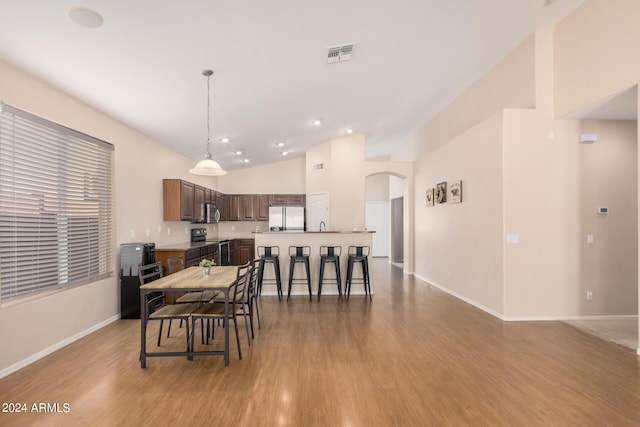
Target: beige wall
(596, 53)
(608, 177)
(458, 247)
(514, 75)
(342, 177)
(549, 183)
(31, 329)
(377, 188)
(285, 177)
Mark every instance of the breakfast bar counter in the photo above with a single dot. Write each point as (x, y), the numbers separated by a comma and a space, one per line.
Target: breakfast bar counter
(313, 239)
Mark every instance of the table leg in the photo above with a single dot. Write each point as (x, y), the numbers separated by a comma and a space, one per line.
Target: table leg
(143, 329)
(226, 328)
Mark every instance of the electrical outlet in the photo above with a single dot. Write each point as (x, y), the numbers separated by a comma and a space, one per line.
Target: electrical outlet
(147, 232)
(589, 295)
(132, 233)
(589, 239)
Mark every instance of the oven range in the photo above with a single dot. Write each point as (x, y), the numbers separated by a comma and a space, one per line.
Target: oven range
(224, 255)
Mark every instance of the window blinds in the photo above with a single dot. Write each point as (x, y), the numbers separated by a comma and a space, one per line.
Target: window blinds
(56, 218)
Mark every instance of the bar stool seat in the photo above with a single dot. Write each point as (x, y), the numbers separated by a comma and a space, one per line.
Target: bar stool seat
(299, 254)
(331, 255)
(269, 255)
(358, 255)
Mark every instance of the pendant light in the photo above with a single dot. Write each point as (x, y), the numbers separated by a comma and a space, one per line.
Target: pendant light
(208, 166)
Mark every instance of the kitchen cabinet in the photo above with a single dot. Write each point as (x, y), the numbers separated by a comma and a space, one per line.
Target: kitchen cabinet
(245, 250)
(296, 200)
(221, 204)
(233, 204)
(248, 205)
(198, 203)
(190, 255)
(277, 200)
(209, 196)
(178, 200)
(287, 200)
(232, 253)
(262, 207)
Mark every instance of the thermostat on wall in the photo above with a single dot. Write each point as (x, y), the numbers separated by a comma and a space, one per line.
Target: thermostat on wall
(603, 211)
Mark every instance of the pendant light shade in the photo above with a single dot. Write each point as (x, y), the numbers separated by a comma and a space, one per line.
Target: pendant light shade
(208, 166)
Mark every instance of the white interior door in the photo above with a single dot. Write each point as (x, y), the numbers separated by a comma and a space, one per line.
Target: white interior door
(317, 211)
(377, 219)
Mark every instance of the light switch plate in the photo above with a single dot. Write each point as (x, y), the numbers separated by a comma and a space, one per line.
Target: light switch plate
(589, 239)
(513, 239)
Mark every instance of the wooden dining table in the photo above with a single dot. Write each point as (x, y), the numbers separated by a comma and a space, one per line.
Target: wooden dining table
(191, 279)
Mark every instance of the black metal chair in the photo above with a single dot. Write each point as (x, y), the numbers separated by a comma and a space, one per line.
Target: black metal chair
(214, 310)
(358, 255)
(157, 308)
(299, 254)
(330, 255)
(269, 255)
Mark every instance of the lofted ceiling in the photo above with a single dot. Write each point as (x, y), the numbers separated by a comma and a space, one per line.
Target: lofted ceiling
(143, 65)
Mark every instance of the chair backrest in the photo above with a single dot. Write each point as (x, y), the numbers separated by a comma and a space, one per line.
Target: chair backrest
(330, 251)
(175, 264)
(299, 251)
(268, 251)
(243, 276)
(253, 281)
(150, 272)
(359, 251)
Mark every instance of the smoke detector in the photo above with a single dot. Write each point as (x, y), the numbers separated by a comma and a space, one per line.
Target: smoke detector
(339, 53)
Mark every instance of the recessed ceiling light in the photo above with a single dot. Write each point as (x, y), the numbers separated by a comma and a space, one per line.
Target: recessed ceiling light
(280, 144)
(349, 131)
(238, 152)
(316, 122)
(284, 153)
(85, 17)
(246, 161)
(224, 140)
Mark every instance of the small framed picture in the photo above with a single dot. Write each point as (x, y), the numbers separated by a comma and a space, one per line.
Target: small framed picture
(441, 192)
(429, 196)
(455, 192)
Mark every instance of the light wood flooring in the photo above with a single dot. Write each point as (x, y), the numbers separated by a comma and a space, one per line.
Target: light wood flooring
(414, 356)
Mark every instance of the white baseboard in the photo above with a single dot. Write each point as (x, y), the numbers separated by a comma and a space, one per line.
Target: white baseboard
(47, 351)
(463, 298)
(522, 318)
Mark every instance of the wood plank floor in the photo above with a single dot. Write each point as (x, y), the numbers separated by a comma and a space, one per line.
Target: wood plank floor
(414, 356)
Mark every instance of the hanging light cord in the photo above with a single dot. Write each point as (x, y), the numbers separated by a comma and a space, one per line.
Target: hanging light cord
(208, 73)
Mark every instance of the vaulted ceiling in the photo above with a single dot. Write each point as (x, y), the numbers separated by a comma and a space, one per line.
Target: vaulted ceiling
(271, 79)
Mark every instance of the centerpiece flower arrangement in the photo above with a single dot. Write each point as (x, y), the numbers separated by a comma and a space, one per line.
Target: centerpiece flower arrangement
(207, 264)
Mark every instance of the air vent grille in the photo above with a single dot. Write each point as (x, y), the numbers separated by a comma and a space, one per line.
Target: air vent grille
(339, 53)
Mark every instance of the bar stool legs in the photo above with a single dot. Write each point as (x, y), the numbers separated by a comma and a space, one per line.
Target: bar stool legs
(269, 255)
(358, 254)
(330, 254)
(299, 254)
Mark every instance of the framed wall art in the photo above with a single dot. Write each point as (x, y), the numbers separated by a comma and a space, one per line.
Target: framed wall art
(429, 196)
(455, 192)
(441, 192)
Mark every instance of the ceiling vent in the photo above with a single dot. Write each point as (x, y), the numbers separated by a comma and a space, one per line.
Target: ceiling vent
(339, 53)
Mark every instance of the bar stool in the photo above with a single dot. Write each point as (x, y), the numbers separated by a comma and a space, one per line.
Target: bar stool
(331, 255)
(299, 254)
(270, 255)
(358, 254)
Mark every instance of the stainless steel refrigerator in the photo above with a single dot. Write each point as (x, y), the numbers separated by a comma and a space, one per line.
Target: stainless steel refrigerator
(286, 218)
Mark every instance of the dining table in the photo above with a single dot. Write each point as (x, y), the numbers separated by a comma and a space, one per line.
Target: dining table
(192, 279)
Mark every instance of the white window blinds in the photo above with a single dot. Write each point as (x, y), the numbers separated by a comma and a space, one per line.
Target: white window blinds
(56, 216)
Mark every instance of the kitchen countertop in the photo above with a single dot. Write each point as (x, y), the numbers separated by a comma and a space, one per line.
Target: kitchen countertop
(185, 246)
(315, 232)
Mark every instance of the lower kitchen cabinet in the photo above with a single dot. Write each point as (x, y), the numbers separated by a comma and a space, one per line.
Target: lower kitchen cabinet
(245, 250)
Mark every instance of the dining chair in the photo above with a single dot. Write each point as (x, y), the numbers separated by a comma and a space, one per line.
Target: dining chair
(177, 264)
(157, 308)
(214, 310)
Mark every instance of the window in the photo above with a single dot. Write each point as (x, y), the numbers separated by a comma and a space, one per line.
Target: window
(56, 219)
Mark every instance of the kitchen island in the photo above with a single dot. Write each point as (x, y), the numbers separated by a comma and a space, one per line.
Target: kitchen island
(313, 239)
